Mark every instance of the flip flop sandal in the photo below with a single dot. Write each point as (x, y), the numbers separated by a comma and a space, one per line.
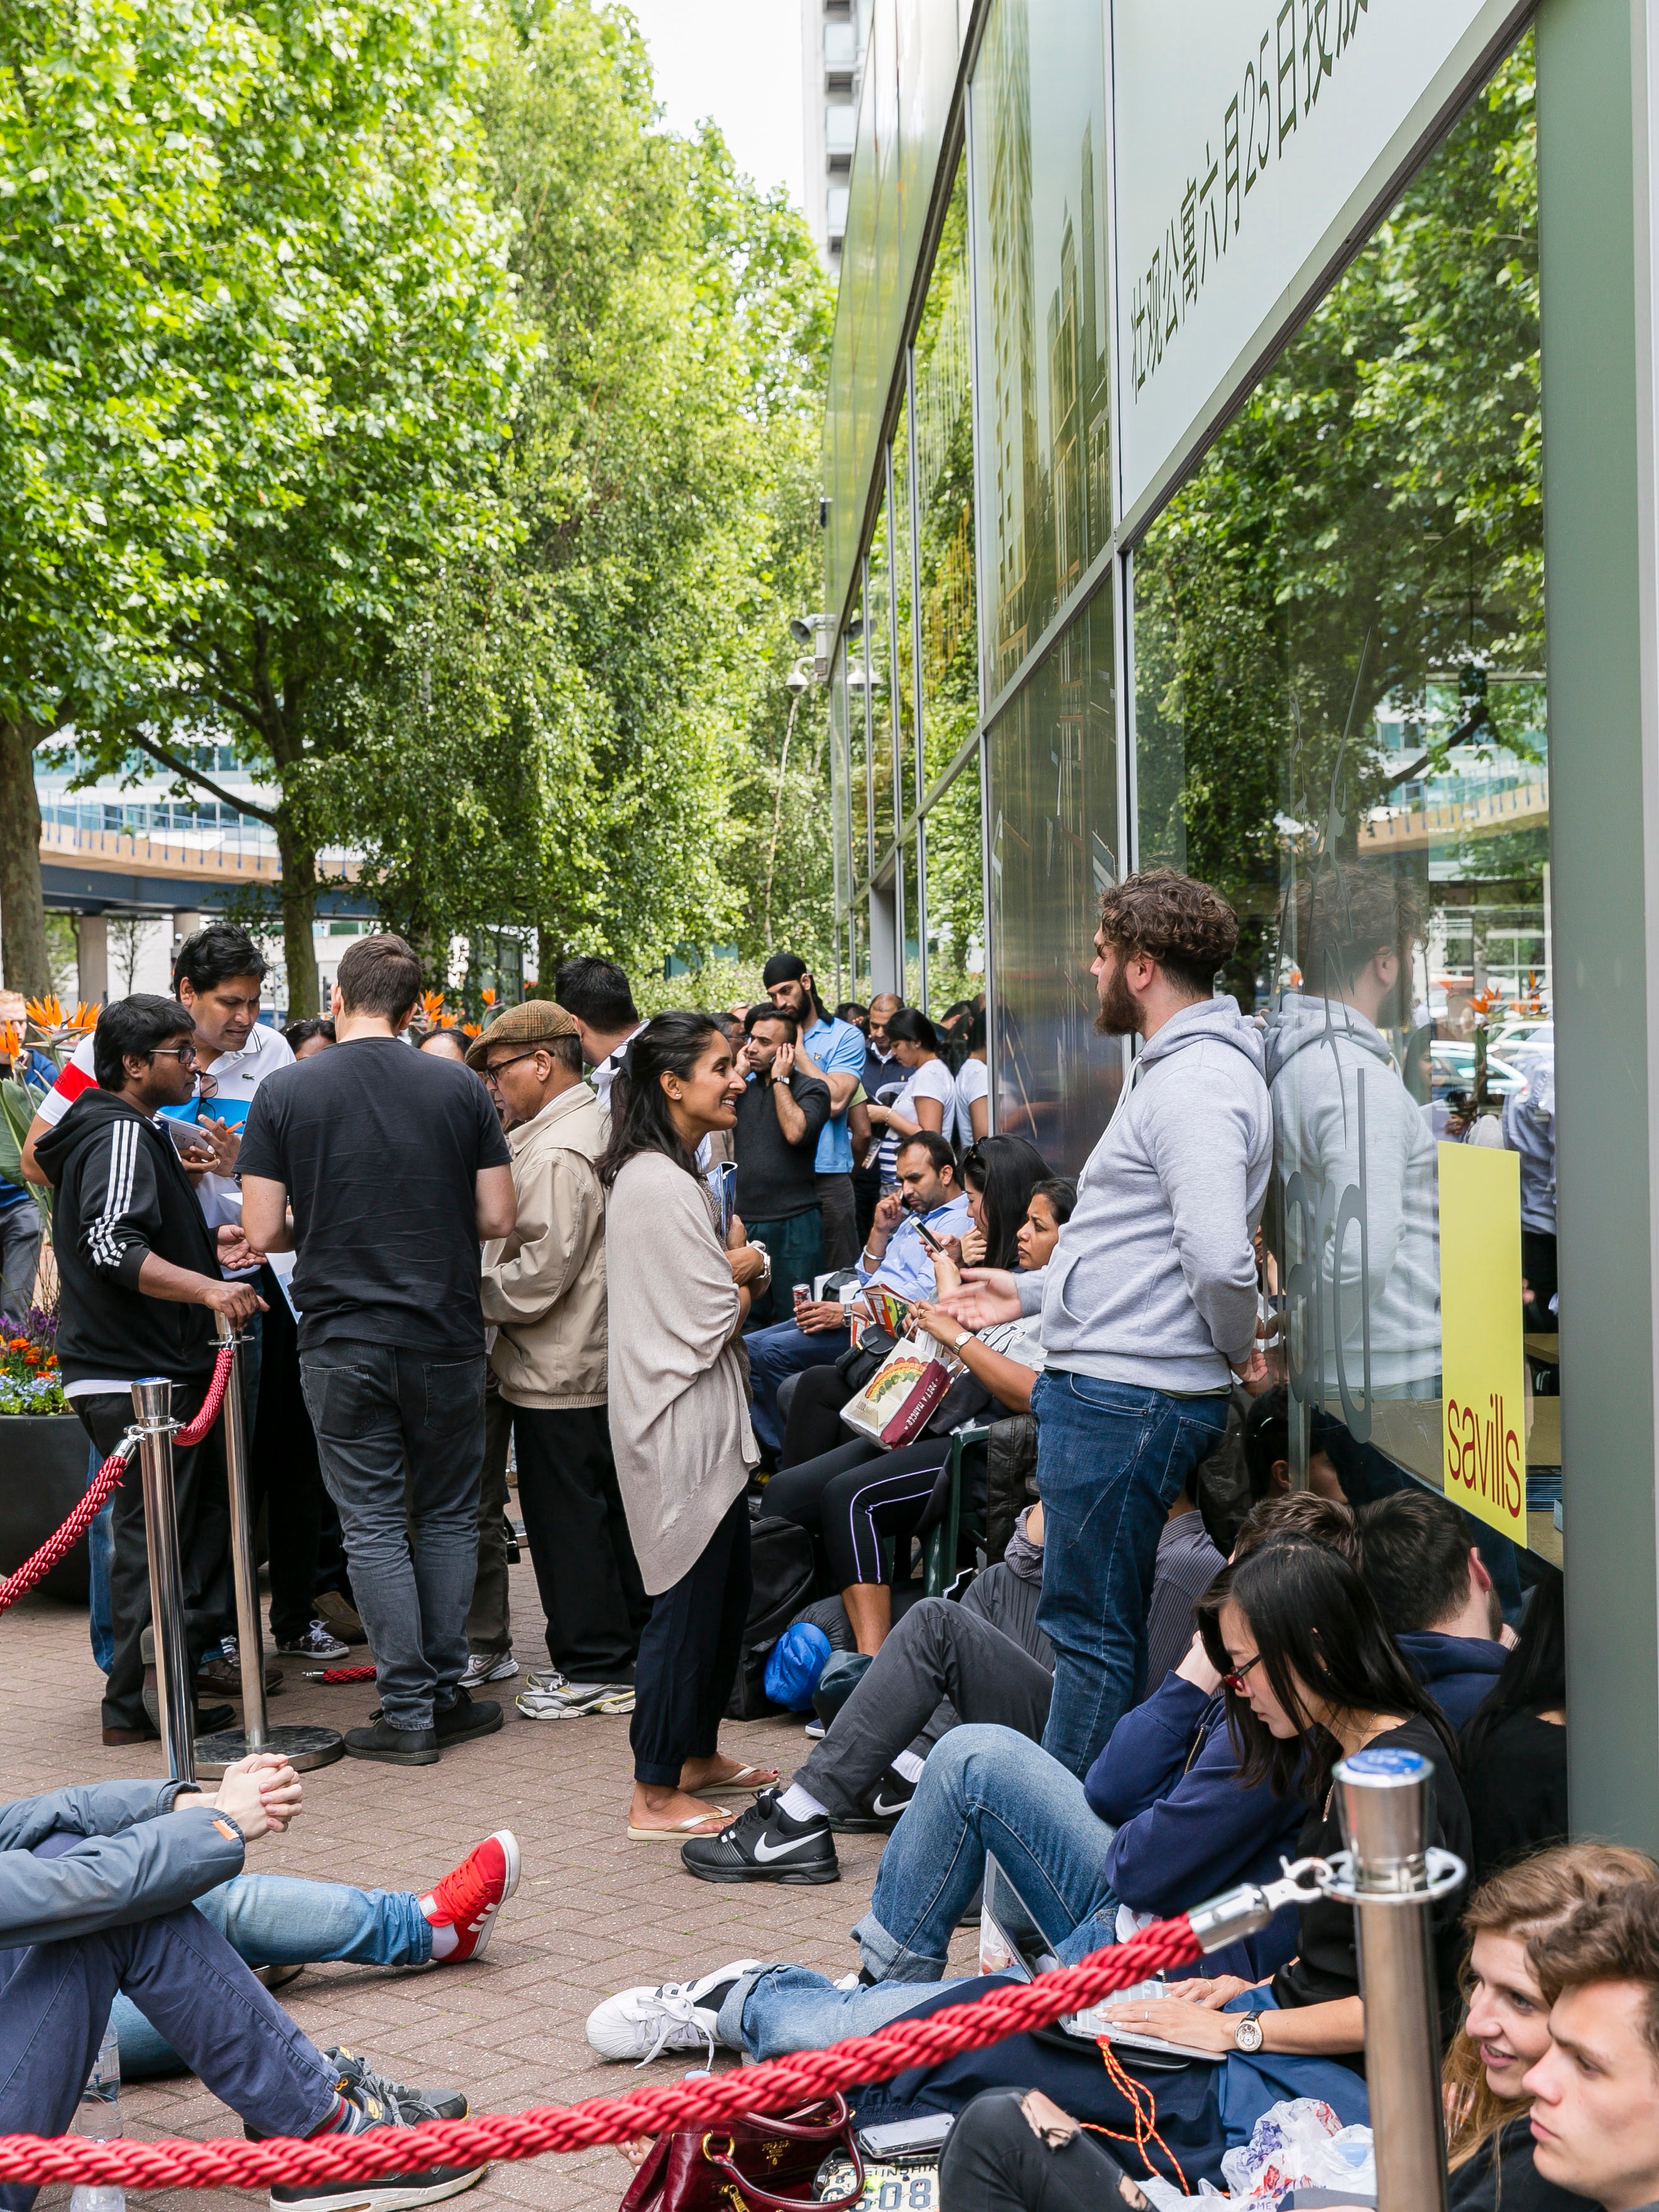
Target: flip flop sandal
(680, 1830)
(764, 1778)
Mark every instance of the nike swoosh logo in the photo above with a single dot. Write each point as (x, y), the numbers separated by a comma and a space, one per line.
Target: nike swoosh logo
(880, 1808)
(782, 1850)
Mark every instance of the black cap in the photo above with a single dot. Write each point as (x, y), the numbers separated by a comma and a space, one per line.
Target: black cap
(783, 968)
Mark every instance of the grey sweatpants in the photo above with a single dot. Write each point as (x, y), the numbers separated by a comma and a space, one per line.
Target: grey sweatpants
(937, 1654)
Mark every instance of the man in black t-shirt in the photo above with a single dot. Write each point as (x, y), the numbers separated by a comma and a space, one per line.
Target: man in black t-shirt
(779, 1117)
(396, 1168)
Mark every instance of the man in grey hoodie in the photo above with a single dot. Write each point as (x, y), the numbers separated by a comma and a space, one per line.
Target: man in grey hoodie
(1149, 1304)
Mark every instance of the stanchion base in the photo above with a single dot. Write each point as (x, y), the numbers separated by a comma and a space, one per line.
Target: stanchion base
(302, 1747)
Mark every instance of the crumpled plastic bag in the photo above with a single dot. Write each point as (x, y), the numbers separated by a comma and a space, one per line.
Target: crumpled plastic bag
(1300, 2145)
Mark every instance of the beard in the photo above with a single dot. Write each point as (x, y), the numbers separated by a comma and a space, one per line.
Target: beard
(1120, 1012)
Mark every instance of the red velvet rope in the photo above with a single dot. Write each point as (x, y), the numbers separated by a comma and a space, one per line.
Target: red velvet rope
(107, 1479)
(779, 2085)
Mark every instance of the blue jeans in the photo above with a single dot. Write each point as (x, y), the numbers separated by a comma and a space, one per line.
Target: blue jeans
(101, 1544)
(1111, 1458)
(400, 1437)
(988, 1788)
(276, 1920)
(56, 1997)
(775, 1354)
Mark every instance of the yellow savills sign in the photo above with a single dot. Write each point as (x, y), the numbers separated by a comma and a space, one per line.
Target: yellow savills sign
(1482, 1359)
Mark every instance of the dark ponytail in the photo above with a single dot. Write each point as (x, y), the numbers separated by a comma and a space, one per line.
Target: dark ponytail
(669, 1044)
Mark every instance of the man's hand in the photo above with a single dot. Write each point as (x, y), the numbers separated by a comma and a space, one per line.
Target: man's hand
(1195, 1668)
(890, 1211)
(239, 1300)
(1254, 1373)
(223, 1142)
(261, 1793)
(814, 1316)
(988, 1296)
(235, 1250)
(783, 1063)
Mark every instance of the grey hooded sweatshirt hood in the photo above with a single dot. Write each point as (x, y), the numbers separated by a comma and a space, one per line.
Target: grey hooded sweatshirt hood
(1153, 1282)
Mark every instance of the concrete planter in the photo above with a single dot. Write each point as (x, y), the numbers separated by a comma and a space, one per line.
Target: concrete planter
(43, 1477)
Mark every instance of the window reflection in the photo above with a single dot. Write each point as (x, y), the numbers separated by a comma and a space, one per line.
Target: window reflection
(941, 382)
(879, 662)
(1340, 720)
(1040, 140)
(1054, 792)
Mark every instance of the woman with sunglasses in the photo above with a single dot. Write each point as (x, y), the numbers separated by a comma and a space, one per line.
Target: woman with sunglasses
(1312, 1676)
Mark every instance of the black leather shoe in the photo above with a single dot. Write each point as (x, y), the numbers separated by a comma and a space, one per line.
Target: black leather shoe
(395, 1746)
(467, 1717)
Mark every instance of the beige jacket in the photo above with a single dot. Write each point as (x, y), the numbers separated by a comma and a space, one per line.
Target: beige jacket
(679, 1382)
(543, 1286)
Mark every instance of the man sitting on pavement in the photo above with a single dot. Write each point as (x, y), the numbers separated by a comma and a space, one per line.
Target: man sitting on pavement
(138, 1268)
(1432, 1589)
(895, 1257)
(95, 1889)
(1595, 2115)
(544, 1288)
(780, 1116)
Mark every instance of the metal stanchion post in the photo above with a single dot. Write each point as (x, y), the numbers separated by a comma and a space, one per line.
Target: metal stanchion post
(1392, 1877)
(302, 1747)
(175, 1695)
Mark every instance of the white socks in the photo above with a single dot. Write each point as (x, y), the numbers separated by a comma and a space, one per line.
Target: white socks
(801, 1804)
(444, 1938)
(907, 1764)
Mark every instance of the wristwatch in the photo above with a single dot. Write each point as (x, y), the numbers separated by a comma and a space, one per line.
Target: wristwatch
(966, 1337)
(1248, 2034)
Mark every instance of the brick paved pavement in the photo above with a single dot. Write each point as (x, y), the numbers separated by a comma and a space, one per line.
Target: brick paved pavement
(593, 1912)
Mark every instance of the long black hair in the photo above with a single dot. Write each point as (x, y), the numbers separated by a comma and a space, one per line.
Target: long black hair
(1315, 1622)
(911, 1026)
(669, 1044)
(1534, 1677)
(1006, 1170)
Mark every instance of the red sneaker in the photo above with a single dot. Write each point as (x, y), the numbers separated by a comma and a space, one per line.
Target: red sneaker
(470, 1895)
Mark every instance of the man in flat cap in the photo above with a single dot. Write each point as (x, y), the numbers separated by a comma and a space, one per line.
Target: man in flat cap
(544, 1288)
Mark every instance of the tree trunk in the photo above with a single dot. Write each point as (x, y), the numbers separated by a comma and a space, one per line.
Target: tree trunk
(299, 861)
(23, 908)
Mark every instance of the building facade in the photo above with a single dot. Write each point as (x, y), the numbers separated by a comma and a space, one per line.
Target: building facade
(1241, 457)
(833, 34)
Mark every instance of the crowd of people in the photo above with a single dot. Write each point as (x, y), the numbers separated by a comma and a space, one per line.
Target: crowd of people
(657, 1263)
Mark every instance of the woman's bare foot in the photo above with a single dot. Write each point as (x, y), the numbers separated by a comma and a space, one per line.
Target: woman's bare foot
(652, 1807)
(711, 1774)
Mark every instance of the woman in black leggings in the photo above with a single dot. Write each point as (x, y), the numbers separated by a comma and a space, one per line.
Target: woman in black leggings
(1016, 2151)
(853, 1496)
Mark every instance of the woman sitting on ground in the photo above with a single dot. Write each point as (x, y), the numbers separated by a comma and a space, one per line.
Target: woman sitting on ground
(1010, 2150)
(853, 1496)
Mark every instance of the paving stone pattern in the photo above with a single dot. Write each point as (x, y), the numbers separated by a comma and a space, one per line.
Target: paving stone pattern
(594, 1911)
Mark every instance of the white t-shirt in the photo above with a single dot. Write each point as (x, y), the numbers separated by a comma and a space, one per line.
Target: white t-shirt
(932, 1079)
(972, 1082)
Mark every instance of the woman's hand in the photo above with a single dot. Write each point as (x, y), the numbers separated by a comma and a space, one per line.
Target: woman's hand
(1214, 1991)
(944, 1328)
(946, 1277)
(748, 1264)
(1195, 1668)
(973, 1248)
(1192, 2024)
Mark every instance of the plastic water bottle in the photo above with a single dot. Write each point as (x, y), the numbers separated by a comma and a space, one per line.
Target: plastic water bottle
(98, 2116)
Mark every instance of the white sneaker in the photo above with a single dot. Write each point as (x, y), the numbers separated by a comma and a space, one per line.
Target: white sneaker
(318, 1643)
(546, 1678)
(575, 1700)
(642, 2023)
(488, 1667)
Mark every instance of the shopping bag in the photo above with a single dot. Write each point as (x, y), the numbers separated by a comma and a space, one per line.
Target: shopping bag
(895, 1405)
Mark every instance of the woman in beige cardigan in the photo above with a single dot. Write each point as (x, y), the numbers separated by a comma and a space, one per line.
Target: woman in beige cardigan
(679, 1414)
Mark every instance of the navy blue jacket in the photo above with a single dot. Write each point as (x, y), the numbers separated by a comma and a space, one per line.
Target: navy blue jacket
(128, 1865)
(1187, 1827)
(1457, 1671)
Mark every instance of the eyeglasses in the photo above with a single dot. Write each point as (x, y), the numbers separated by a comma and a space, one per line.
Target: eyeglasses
(183, 1054)
(494, 1069)
(1235, 1679)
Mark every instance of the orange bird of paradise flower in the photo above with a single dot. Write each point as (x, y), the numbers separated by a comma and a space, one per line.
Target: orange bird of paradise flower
(45, 1013)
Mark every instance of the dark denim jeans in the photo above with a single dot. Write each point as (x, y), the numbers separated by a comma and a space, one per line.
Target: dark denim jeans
(1110, 1460)
(411, 1541)
(56, 1997)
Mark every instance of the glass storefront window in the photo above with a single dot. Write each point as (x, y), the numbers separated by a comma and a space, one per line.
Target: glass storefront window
(941, 381)
(878, 670)
(904, 616)
(911, 925)
(954, 854)
(1039, 124)
(1342, 722)
(1054, 792)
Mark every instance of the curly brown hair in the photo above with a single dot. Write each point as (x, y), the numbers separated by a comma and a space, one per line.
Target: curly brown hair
(1333, 923)
(1186, 926)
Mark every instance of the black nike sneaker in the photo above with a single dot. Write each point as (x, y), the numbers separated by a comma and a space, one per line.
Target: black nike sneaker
(886, 1803)
(764, 1844)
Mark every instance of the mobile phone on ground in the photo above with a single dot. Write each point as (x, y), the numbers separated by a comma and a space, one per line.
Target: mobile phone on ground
(905, 2138)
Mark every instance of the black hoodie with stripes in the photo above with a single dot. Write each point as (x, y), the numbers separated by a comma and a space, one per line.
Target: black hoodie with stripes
(122, 1192)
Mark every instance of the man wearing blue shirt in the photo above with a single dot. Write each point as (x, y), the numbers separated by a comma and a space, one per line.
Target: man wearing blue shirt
(833, 1050)
(896, 1258)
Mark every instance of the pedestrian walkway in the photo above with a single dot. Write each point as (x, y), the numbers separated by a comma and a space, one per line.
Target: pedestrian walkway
(594, 1911)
